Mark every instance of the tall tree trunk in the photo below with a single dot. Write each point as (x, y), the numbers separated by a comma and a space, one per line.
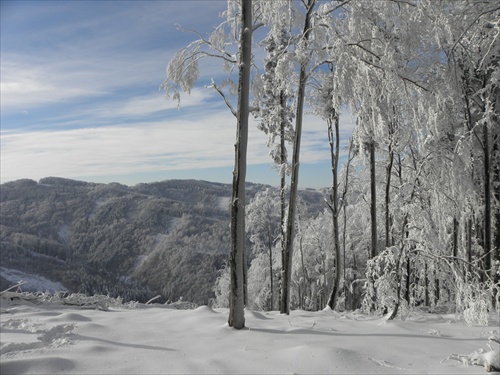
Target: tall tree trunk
(304, 272)
(455, 238)
(408, 284)
(373, 202)
(290, 223)
(271, 278)
(388, 239)
(283, 161)
(373, 214)
(334, 204)
(344, 239)
(496, 194)
(487, 201)
(237, 258)
(469, 246)
(426, 284)
(403, 256)
(495, 165)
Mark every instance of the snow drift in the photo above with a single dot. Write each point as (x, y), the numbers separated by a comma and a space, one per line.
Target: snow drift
(51, 338)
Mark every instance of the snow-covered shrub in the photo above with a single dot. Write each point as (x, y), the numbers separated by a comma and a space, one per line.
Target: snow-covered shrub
(259, 290)
(473, 302)
(381, 286)
(222, 288)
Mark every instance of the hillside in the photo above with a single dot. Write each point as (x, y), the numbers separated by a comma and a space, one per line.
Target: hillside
(167, 238)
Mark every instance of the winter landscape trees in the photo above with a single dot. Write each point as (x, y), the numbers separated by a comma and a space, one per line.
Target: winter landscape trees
(421, 80)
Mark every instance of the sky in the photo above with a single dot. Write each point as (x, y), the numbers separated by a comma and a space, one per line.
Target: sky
(80, 98)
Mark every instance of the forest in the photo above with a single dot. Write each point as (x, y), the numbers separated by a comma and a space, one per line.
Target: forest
(412, 217)
(168, 238)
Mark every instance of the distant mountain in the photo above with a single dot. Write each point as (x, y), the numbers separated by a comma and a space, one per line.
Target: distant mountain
(167, 238)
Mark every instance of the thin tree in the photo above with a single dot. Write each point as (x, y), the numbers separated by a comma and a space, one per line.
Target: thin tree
(238, 238)
(326, 106)
(263, 226)
(290, 222)
(275, 107)
(333, 134)
(182, 73)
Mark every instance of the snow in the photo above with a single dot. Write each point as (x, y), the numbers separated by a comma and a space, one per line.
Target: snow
(53, 339)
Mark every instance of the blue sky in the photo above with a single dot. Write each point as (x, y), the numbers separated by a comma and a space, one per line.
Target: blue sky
(80, 98)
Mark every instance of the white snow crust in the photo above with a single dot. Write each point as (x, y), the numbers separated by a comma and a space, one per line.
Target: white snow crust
(57, 339)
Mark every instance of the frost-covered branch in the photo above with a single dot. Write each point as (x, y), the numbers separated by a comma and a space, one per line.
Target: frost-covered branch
(216, 88)
(357, 44)
(223, 54)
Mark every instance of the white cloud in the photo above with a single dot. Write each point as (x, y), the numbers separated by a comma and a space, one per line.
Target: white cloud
(202, 142)
(193, 142)
(29, 84)
(146, 105)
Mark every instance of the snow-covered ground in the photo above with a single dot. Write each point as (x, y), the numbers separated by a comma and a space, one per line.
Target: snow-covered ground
(53, 339)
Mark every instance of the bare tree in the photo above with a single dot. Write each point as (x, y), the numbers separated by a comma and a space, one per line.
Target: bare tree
(238, 238)
(290, 222)
(182, 73)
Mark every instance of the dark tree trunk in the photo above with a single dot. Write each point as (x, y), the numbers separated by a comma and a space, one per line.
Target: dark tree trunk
(283, 220)
(408, 273)
(437, 294)
(469, 246)
(403, 257)
(373, 202)
(290, 224)
(495, 163)
(487, 202)
(334, 204)
(271, 277)
(426, 285)
(496, 194)
(388, 239)
(238, 237)
(283, 161)
(344, 239)
(455, 238)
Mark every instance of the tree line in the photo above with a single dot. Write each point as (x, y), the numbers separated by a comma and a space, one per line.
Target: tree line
(413, 212)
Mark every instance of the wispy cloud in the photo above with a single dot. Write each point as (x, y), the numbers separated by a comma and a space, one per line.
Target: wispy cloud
(28, 85)
(145, 106)
(200, 141)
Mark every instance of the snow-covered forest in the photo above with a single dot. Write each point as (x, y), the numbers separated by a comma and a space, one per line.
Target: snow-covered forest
(167, 238)
(413, 214)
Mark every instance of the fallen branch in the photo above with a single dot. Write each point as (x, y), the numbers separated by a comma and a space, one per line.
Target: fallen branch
(18, 285)
(153, 299)
(490, 360)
